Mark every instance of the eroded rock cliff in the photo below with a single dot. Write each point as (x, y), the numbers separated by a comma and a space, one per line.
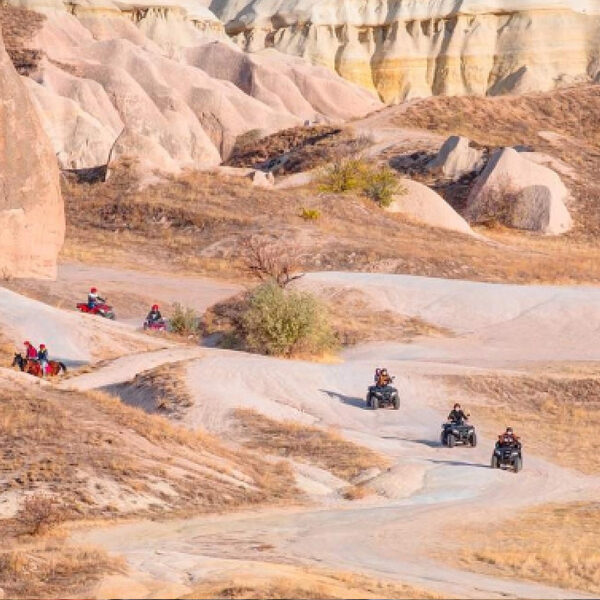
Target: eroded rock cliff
(417, 48)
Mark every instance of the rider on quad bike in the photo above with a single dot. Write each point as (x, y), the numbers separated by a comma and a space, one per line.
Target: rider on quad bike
(154, 315)
(382, 378)
(508, 438)
(94, 298)
(457, 415)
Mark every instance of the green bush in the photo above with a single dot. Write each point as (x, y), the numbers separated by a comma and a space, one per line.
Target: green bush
(286, 323)
(184, 320)
(310, 214)
(343, 175)
(380, 184)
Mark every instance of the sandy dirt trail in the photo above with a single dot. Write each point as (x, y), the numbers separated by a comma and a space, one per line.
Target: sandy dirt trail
(430, 491)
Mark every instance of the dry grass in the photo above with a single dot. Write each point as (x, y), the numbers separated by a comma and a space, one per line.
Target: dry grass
(325, 449)
(557, 416)
(554, 544)
(196, 224)
(52, 569)
(286, 581)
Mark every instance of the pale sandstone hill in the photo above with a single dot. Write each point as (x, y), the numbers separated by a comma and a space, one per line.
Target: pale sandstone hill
(406, 49)
(165, 86)
(32, 219)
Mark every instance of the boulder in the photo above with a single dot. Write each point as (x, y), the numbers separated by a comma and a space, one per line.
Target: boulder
(521, 194)
(262, 179)
(32, 218)
(422, 204)
(456, 158)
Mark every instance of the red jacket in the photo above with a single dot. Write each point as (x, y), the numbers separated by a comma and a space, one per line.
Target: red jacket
(32, 352)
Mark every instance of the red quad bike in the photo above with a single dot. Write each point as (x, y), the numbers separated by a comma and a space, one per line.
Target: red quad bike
(155, 325)
(101, 308)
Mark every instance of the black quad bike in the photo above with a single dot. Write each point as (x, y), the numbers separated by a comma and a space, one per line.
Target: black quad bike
(507, 457)
(380, 397)
(458, 433)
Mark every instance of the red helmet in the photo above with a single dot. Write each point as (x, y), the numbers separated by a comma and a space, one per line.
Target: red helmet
(42, 346)
(27, 343)
(155, 307)
(93, 290)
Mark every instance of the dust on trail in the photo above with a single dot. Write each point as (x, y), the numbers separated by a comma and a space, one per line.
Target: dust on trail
(430, 493)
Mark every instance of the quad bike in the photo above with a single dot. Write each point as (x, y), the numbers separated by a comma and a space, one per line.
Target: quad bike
(160, 325)
(379, 397)
(458, 433)
(507, 457)
(101, 308)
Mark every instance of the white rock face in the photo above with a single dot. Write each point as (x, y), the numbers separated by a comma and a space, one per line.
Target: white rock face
(456, 158)
(32, 220)
(422, 204)
(520, 193)
(164, 85)
(414, 48)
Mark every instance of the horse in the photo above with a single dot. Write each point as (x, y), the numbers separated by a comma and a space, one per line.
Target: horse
(33, 367)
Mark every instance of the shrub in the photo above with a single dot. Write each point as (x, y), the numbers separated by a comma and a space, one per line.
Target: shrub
(39, 512)
(380, 184)
(310, 214)
(184, 320)
(343, 175)
(286, 323)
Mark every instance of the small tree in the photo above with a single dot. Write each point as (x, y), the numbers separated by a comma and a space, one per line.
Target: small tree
(380, 184)
(268, 260)
(284, 323)
(39, 512)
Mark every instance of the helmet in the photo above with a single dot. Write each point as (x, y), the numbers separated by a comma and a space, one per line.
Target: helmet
(155, 307)
(93, 290)
(27, 343)
(384, 371)
(456, 405)
(42, 346)
(509, 430)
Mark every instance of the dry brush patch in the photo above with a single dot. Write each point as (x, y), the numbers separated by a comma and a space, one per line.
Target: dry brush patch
(196, 223)
(286, 581)
(324, 448)
(556, 416)
(554, 544)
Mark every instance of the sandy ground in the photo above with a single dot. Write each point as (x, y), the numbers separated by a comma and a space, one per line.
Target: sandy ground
(429, 493)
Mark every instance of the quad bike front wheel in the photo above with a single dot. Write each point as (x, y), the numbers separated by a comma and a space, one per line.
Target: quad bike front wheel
(473, 440)
(374, 402)
(450, 440)
(396, 402)
(517, 464)
(494, 464)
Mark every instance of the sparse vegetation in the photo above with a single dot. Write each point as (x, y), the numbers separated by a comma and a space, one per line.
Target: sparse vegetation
(39, 512)
(345, 174)
(310, 214)
(287, 323)
(495, 204)
(555, 544)
(325, 448)
(381, 184)
(18, 26)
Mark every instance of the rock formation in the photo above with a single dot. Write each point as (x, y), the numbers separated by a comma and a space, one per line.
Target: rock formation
(423, 205)
(521, 194)
(406, 49)
(456, 158)
(32, 219)
(164, 85)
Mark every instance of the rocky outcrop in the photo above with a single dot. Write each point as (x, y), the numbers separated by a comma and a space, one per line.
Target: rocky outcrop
(165, 86)
(407, 49)
(423, 205)
(456, 158)
(31, 208)
(520, 194)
